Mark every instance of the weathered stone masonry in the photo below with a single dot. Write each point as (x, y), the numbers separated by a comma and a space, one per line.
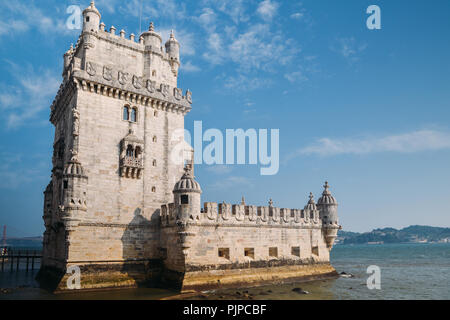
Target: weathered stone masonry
(122, 211)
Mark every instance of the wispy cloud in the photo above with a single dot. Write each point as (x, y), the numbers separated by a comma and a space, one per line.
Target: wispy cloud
(155, 9)
(243, 82)
(348, 48)
(184, 37)
(297, 16)
(233, 182)
(220, 169)
(189, 67)
(31, 95)
(267, 9)
(15, 172)
(20, 16)
(416, 141)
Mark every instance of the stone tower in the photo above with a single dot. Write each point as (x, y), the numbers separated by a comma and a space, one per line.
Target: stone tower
(115, 117)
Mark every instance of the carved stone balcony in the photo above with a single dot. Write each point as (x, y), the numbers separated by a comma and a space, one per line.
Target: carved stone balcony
(131, 167)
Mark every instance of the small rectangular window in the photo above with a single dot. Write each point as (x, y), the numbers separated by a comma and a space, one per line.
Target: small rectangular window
(184, 199)
(249, 252)
(296, 251)
(66, 184)
(273, 252)
(315, 250)
(224, 253)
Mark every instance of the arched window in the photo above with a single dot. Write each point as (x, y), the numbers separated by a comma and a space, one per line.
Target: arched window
(154, 163)
(138, 152)
(126, 113)
(153, 189)
(155, 139)
(133, 115)
(130, 151)
(155, 114)
(154, 73)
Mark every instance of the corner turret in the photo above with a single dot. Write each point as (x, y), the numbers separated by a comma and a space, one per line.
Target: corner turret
(152, 40)
(73, 193)
(91, 18)
(187, 196)
(173, 51)
(327, 206)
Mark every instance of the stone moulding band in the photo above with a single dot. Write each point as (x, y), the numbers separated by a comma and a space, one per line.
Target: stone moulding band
(78, 81)
(115, 225)
(248, 225)
(129, 96)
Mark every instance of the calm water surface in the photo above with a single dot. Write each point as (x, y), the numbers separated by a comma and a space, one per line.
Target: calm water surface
(408, 271)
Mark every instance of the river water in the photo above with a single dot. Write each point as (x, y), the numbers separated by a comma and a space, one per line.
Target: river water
(407, 271)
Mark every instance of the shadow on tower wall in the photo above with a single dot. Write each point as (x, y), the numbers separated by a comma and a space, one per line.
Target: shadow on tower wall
(140, 250)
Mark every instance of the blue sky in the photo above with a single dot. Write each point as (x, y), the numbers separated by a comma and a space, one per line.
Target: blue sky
(367, 110)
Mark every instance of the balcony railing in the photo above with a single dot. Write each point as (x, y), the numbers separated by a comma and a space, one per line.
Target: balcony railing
(132, 162)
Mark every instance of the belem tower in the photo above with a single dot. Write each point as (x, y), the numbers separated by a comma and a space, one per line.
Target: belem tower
(120, 210)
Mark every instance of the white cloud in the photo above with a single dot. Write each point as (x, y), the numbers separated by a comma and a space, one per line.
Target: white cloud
(185, 38)
(14, 172)
(189, 67)
(23, 16)
(207, 19)
(267, 9)
(235, 9)
(215, 53)
(108, 5)
(155, 9)
(260, 48)
(220, 169)
(416, 141)
(245, 83)
(31, 95)
(233, 182)
(348, 48)
(296, 76)
(297, 16)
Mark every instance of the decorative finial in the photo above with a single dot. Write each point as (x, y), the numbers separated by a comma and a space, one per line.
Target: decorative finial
(326, 187)
(188, 169)
(270, 202)
(172, 35)
(243, 201)
(311, 196)
(92, 4)
(152, 27)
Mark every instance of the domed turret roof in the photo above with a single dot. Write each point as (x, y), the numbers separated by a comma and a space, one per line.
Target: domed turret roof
(171, 38)
(74, 168)
(151, 32)
(326, 197)
(311, 204)
(92, 8)
(187, 183)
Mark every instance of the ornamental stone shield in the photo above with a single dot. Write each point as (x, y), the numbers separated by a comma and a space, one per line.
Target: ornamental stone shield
(90, 69)
(123, 77)
(137, 82)
(151, 86)
(107, 73)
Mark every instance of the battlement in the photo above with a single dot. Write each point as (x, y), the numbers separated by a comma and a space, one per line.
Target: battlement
(224, 213)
